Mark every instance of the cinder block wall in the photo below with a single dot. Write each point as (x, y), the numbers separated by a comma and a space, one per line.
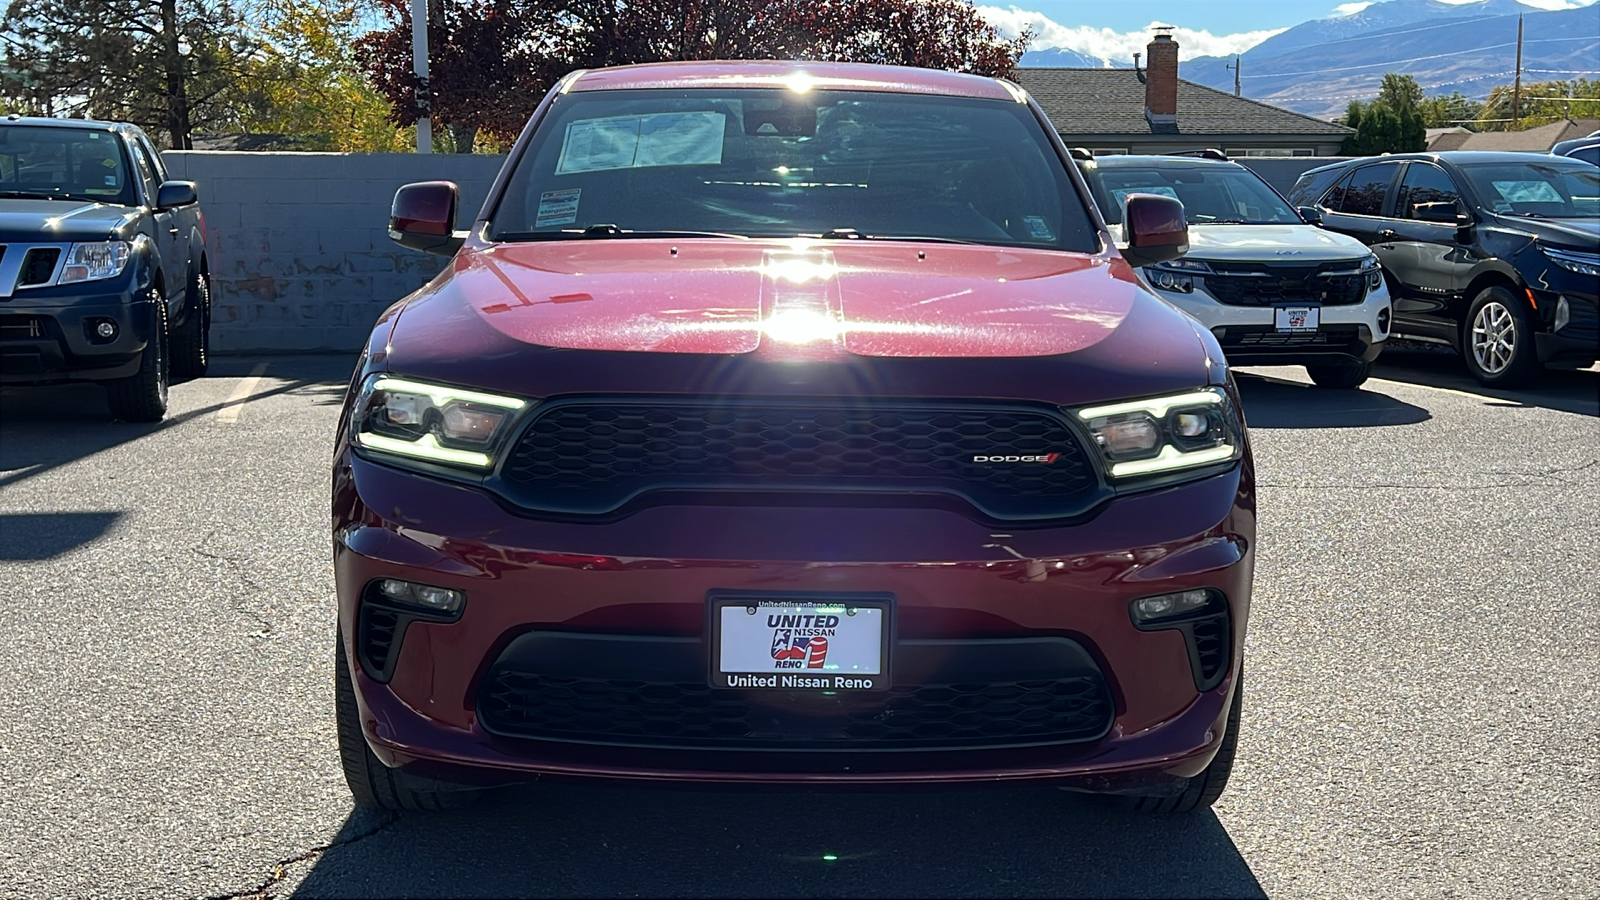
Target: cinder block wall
(299, 247)
(298, 243)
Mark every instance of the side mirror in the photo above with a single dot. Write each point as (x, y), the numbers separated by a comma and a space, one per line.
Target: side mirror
(1441, 212)
(424, 217)
(1310, 214)
(1157, 229)
(175, 193)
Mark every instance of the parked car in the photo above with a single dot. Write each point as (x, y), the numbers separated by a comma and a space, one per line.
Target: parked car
(1589, 153)
(1273, 289)
(1494, 254)
(798, 423)
(1565, 148)
(104, 275)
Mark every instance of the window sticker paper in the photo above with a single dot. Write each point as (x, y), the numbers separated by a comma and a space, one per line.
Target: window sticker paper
(1038, 227)
(558, 207)
(658, 139)
(1527, 191)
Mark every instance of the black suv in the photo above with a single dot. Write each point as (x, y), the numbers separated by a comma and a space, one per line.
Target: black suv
(103, 273)
(1495, 254)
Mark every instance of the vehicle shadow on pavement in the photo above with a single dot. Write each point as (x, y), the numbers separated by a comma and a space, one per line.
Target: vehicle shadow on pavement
(600, 841)
(1566, 390)
(33, 537)
(1275, 403)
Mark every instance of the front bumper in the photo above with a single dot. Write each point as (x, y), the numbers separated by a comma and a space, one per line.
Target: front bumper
(1353, 332)
(47, 335)
(648, 576)
(1577, 344)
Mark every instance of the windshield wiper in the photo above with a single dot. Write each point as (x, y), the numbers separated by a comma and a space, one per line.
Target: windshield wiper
(850, 234)
(609, 230)
(43, 195)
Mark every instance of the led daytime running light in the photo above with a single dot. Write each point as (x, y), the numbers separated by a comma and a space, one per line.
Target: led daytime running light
(425, 447)
(1171, 457)
(443, 395)
(1157, 406)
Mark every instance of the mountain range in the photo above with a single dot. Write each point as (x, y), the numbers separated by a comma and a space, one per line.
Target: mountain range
(1318, 67)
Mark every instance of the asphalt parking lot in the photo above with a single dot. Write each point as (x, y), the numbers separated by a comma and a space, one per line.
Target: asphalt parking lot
(1419, 721)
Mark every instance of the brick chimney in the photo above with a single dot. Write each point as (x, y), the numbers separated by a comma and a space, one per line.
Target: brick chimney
(1161, 80)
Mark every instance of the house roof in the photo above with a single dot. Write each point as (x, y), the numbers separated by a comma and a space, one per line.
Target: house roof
(1537, 140)
(1111, 102)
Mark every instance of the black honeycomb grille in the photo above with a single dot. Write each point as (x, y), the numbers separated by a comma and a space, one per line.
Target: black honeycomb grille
(690, 715)
(1259, 284)
(595, 456)
(38, 266)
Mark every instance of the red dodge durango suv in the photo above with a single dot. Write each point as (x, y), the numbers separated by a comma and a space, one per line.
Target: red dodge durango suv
(790, 423)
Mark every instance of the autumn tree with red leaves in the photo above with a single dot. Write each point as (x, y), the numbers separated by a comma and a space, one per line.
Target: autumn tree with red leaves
(490, 61)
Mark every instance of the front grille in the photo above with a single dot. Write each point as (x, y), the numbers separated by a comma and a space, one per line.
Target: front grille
(688, 714)
(594, 456)
(38, 266)
(20, 328)
(1263, 284)
(1583, 319)
(1249, 337)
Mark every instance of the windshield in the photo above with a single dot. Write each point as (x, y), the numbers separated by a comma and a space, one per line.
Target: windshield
(47, 162)
(775, 163)
(1210, 194)
(1537, 189)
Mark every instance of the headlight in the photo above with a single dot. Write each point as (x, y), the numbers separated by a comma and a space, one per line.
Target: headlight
(1176, 275)
(92, 262)
(1165, 434)
(440, 424)
(1573, 261)
(1374, 272)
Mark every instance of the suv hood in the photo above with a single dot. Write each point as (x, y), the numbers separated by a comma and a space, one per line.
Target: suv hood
(796, 309)
(1269, 243)
(1579, 234)
(51, 221)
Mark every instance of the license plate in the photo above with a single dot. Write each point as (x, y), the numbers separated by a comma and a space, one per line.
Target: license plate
(1296, 318)
(800, 644)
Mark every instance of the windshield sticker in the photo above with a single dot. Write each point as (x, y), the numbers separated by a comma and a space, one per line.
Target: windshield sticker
(658, 139)
(1038, 227)
(558, 207)
(1120, 195)
(1527, 191)
(111, 181)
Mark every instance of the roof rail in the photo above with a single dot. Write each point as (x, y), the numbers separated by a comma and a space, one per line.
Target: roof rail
(1079, 153)
(1208, 153)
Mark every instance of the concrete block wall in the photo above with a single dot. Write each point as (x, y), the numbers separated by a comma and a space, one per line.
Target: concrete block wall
(298, 243)
(299, 247)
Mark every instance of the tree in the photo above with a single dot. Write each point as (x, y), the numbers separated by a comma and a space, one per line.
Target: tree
(1391, 123)
(491, 61)
(1542, 102)
(163, 64)
(1444, 112)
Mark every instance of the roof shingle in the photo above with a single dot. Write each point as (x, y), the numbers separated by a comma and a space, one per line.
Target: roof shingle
(1111, 102)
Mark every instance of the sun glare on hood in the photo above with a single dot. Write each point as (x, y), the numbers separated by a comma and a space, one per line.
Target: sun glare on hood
(801, 326)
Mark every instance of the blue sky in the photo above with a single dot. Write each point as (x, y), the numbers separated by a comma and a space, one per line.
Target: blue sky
(1203, 27)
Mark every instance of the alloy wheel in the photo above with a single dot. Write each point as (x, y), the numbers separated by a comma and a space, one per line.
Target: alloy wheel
(1494, 337)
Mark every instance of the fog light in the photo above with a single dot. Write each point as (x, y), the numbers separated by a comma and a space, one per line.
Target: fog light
(1166, 606)
(426, 596)
(1563, 313)
(107, 330)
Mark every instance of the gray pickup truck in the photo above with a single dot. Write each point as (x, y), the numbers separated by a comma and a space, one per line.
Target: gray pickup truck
(103, 271)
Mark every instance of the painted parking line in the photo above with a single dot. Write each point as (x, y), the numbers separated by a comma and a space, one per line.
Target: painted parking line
(229, 413)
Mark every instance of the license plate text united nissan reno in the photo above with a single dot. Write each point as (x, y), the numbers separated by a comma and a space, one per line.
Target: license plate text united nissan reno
(790, 423)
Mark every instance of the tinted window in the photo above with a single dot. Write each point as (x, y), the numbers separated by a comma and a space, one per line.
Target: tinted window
(63, 162)
(775, 163)
(155, 157)
(1362, 193)
(1559, 189)
(1424, 184)
(1210, 194)
(147, 172)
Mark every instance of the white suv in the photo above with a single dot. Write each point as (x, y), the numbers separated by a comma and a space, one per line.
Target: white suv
(1273, 289)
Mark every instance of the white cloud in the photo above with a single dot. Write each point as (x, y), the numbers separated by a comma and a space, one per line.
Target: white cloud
(1350, 9)
(1118, 45)
(1537, 4)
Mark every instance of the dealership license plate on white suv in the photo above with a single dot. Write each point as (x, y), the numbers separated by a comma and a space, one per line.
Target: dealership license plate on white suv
(1296, 318)
(800, 645)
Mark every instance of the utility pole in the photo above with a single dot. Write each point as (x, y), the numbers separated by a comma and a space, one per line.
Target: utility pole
(419, 65)
(1516, 86)
(1237, 60)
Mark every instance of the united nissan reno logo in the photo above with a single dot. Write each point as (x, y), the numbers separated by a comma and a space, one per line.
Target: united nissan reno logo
(1043, 458)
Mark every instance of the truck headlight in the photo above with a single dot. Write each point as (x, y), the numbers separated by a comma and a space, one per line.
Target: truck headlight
(95, 261)
(437, 423)
(1165, 434)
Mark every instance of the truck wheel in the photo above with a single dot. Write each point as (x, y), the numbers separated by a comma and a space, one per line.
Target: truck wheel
(1204, 789)
(371, 782)
(142, 396)
(1340, 375)
(191, 343)
(1497, 340)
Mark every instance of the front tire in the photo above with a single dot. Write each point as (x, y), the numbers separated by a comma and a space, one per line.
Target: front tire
(191, 343)
(371, 782)
(1340, 376)
(1204, 789)
(1497, 340)
(142, 396)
